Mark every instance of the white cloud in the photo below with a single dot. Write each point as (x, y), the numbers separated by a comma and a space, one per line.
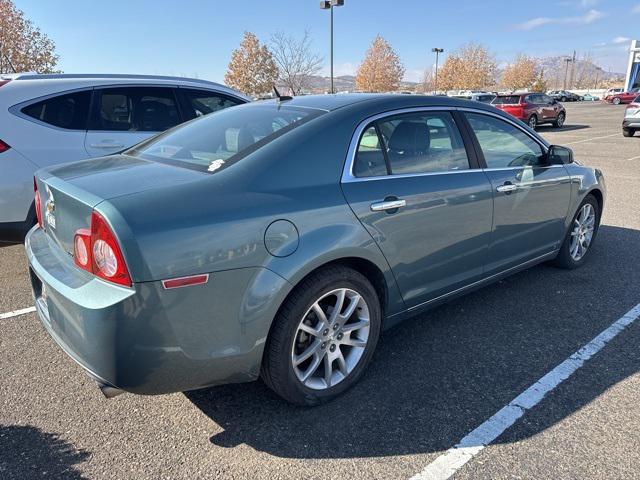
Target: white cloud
(636, 9)
(619, 40)
(340, 69)
(589, 17)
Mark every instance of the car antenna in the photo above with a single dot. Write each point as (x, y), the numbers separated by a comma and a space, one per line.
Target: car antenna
(280, 98)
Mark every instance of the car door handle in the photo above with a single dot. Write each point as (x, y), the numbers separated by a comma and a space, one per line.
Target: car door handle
(107, 145)
(388, 205)
(507, 188)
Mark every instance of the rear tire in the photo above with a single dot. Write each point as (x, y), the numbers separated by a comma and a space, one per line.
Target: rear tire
(628, 132)
(616, 101)
(571, 255)
(532, 122)
(304, 341)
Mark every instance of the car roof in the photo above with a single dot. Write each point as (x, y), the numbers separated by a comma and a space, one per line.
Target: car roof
(331, 102)
(114, 78)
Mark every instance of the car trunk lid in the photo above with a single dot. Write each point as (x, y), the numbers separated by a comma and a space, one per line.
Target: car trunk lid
(69, 193)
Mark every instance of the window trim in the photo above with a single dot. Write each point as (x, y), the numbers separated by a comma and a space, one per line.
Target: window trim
(17, 108)
(348, 175)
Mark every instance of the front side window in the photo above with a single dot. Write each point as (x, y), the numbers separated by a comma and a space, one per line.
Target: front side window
(504, 145)
(216, 141)
(411, 143)
(135, 109)
(203, 102)
(68, 111)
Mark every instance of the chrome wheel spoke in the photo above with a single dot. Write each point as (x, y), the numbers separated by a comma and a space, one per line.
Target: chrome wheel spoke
(328, 370)
(337, 308)
(313, 367)
(310, 330)
(342, 364)
(322, 318)
(354, 342)
(311, 350)
(351, 327)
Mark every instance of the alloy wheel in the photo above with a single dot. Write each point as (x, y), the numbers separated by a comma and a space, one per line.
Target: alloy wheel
(533, 122)
(330, 339)
(582, 232)
(560, 120)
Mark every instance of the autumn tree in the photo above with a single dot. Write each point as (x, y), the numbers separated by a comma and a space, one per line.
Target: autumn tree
(381, 69)
(296, 61)
(472, 66)
(23, 47)
(520, 74)
(252, 69)
(540, 84)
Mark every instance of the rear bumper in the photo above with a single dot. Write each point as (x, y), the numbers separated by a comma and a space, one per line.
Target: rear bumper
(148, 340)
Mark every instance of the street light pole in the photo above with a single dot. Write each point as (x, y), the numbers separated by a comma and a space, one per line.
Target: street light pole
(437, 51)
(566, 70)
(328, 5)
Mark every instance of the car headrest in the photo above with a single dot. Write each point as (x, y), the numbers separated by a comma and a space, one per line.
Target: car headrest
(410, 137)
(237, 139)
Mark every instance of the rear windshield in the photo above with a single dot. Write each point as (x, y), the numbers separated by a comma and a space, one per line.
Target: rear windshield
(507, 100)
(215, 141)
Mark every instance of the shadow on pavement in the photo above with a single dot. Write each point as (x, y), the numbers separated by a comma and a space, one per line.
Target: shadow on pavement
(28, 452)
(436, 377)
(564, 128)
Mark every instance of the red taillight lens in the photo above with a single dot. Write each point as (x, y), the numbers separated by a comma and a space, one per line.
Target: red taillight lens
(4, 146)
(38, 203)
(108, 261)
(98, 251)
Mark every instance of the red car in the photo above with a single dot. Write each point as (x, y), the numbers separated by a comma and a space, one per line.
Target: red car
(532, 108)
(622, 97)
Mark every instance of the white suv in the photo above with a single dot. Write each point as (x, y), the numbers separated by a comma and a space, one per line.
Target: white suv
(50, 119)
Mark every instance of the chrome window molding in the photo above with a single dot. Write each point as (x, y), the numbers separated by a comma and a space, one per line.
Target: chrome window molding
(347, 172)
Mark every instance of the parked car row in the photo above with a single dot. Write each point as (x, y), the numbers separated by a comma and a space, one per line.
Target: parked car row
(50, 119)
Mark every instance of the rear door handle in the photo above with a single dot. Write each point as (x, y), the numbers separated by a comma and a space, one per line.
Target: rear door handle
(107, 145)
(388, 205)
(507, 188)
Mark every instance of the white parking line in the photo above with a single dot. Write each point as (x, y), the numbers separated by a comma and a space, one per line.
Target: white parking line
(592, 139)
(15, 313)
(453, 459)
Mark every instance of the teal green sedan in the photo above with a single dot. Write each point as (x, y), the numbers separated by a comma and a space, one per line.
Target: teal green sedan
(277, 239)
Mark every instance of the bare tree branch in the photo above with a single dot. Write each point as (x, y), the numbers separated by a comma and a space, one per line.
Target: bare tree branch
(296, 61)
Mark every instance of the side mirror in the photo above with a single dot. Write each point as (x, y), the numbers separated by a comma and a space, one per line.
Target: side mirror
(558, 155)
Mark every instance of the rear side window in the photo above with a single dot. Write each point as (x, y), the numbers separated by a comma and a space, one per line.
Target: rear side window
(214, 142)
(68, 111)
(507, 100)
(411, 144)
(135, 109)
(202, 102)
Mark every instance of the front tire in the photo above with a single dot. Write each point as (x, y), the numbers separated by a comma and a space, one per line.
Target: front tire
(628, 132)
(532, 122)
(616, 101)
(323, 337)
(581, 235)
(559, 122)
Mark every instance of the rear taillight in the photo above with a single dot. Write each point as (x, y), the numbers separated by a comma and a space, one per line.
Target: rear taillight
(97, 251)
(38, 203)
(4, 146)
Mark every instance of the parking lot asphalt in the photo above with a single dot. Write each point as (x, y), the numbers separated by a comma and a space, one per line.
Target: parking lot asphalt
(434, 378)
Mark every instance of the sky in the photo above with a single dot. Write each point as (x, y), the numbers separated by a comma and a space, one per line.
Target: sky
(196, 38)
